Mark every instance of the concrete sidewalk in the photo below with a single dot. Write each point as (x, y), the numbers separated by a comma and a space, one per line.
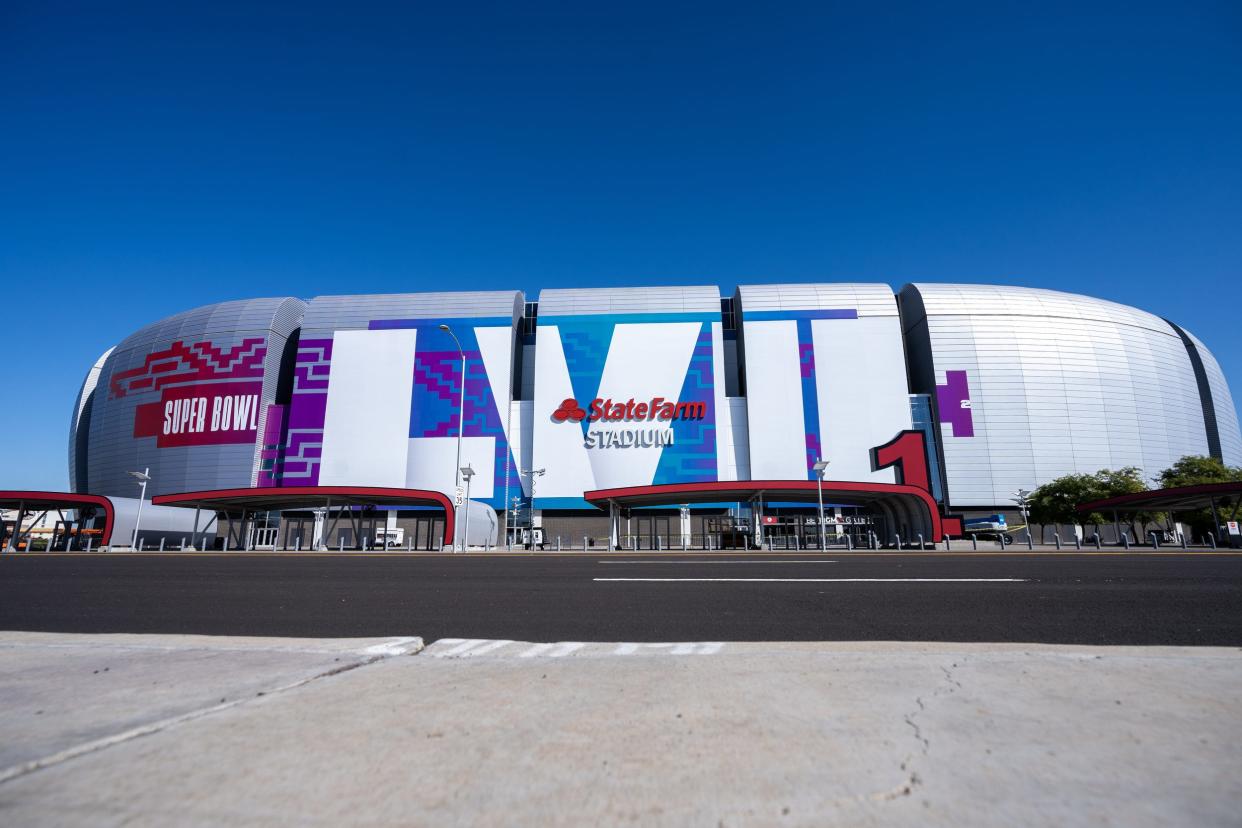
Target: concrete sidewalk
(501, 732)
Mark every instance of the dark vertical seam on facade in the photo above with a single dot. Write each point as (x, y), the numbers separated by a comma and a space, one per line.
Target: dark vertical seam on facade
(1205, 393)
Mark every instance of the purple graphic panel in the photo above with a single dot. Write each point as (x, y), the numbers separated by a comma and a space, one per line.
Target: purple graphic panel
(299, 461)
(953, 400)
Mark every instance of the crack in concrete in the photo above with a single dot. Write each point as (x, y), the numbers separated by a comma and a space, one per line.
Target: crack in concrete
(949, 686)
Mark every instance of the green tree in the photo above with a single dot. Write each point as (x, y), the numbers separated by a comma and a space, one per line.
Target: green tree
(1056, 501)
(1195, 469)
(1124, 481)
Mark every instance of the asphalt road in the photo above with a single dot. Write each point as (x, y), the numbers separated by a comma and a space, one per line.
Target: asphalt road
(1149, 598)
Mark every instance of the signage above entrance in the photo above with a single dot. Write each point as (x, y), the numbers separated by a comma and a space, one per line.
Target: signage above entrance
(607, 410)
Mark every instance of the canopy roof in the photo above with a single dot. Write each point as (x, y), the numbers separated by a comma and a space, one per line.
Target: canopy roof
(1178, 498)
(903, 504)
(240, 501)
(38, 501)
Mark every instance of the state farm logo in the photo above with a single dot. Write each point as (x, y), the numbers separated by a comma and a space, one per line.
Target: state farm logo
(607, 410)
(610, 416)
(569, 410)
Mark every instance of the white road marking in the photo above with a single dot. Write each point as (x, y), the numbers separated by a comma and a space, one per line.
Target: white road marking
(398, 646)
(713, 562)
(678, 648)
(829, 580)
(455, 648)
(555, 650)
(463, 644)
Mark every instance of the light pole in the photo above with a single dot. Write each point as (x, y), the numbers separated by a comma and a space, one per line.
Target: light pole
(1022, 498)
(466, 472)
(461, 426)
(532, 474)
(143, 477)
(819, 467)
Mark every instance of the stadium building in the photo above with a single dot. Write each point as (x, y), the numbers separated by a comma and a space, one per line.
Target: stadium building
(635, 417)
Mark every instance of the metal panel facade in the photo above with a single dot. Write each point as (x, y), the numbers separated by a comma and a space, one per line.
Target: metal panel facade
(184, 397)
(80, 425)
(1033, 384)
(1024, 385)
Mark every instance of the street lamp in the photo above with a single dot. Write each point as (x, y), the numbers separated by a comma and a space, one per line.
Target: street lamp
(1022, 498)
(819, 467)
(532, 474)
(143, 477)
(466, 472)
(461, 425)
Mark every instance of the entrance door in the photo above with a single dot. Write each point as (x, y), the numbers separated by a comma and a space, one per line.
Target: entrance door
(653, 531)
(299, 532)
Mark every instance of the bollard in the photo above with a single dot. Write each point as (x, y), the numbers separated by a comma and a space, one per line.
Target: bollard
(226, 543)
(1030, 542)
(1077, 542)
(1212, 539)
(558, 543)
(920, 537)
(659, 543)
(1155, 540)
(161, 544)
(183, 543)
(88, 544)
(1125, 539)
(1056, 537)
(1002, 540)
(947, 547)
(797, 546)
(297, 544)
(142, 545)
(685, 543)
(1182, 535)
(340, 544)
(585, 543)
(974, 541)
(849, 543)
(1097, 541)
(409, 544)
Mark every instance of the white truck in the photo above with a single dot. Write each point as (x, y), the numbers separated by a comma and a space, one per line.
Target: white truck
(386, 538)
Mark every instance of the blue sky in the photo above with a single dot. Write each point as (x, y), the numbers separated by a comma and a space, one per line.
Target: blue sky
(154, 158)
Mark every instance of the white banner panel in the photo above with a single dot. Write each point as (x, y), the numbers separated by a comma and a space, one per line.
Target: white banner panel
(367, 418)
(558, 447)
(860, 379)
(774, 401)
(432, 461)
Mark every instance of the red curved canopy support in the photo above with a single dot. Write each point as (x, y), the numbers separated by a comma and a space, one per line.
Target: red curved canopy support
(31, 500)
